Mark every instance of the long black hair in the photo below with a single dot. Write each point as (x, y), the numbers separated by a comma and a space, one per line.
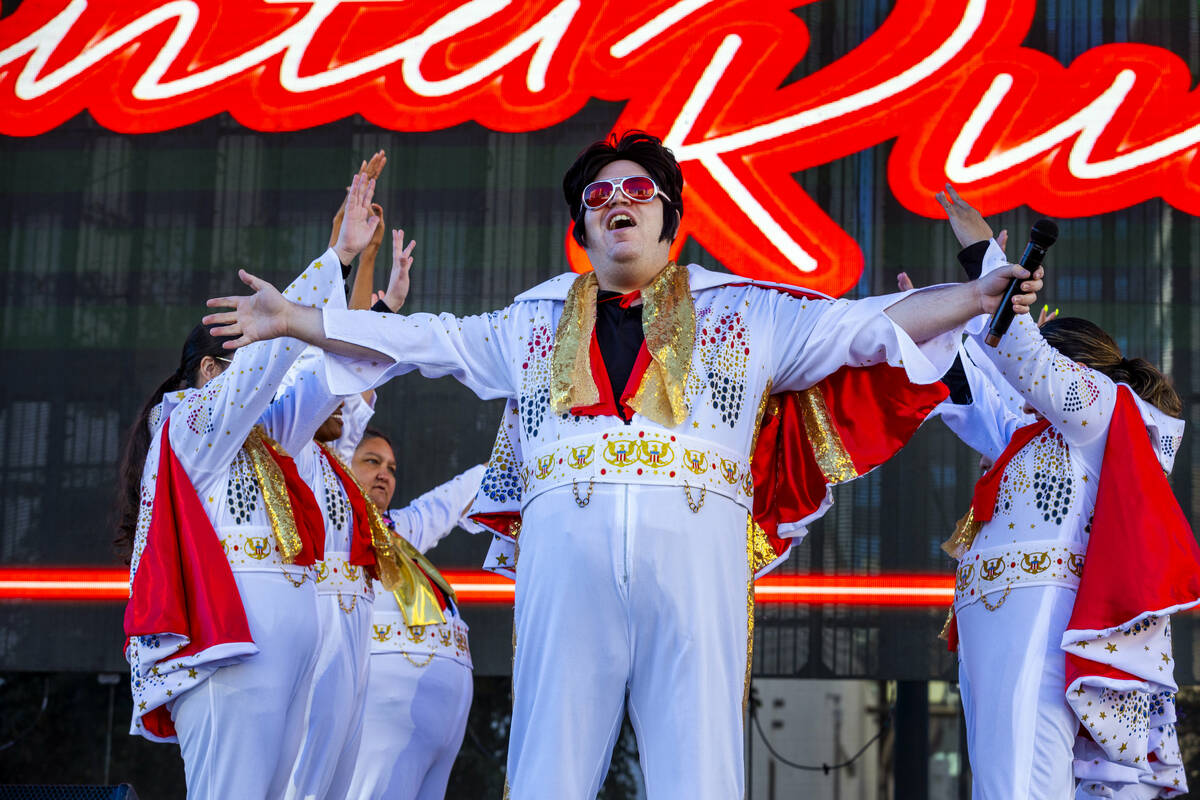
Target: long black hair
(199, 343)
(636, 146)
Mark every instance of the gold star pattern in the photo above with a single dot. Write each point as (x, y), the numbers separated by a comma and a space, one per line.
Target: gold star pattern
(502, 559)
(1110, 647)
(142, 706)
(1166, 658)
(192, 673)
(1121, 749)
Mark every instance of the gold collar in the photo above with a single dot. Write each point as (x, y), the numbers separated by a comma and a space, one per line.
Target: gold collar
(669, 324)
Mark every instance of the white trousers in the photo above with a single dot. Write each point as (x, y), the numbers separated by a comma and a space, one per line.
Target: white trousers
(1011, 667)
(239, 731)
(633, 595)
(416, 713)
(334, 709)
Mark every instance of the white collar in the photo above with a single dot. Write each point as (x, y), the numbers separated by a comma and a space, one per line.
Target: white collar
(699, 279)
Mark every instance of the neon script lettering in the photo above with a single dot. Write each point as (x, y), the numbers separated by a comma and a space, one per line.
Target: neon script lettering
(946, 80)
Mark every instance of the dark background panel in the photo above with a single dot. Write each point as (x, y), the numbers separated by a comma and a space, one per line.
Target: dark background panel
(110, 243)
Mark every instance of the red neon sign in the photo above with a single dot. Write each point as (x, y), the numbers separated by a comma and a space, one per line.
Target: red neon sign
(89, 584)
(947, 80)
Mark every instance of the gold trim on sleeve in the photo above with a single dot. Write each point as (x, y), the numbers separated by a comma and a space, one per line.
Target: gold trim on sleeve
(752, 530)
(965, 531)
(830, 452)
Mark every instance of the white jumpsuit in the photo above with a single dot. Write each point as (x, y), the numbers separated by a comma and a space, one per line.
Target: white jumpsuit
(1016, 585)
(634, 587)
(420, 688)
(237, 715)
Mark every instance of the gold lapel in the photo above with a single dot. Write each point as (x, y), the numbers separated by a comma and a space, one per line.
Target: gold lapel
(669, 324)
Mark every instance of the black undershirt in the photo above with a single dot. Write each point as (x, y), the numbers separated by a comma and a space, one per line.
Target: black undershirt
(619, 335)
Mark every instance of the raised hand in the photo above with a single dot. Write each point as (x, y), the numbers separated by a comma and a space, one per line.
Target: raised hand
(968, 224)
(255, 318)
(358, 222)
(904, 282)
(374, 168)
(991, 288)
(398, 281)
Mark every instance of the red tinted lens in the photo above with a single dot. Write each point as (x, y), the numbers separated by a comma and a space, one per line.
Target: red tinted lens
(597, 194)
(639, 188)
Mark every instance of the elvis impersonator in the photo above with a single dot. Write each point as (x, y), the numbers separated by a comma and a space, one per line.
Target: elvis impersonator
(1071, 559)
(640, 389)
(226, 626)
(222, 620)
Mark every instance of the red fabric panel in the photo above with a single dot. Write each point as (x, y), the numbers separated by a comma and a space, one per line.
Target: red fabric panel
(437, 590)
(310, 522)
(877, 410)
(183, 584)
(788, 483)
(640, 365)
(1142, 555)
(1078, 667)
(606, 404)
(500, 522)
(983, 500)
(362, 551)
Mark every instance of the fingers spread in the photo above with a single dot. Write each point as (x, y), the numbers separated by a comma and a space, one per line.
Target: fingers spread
(942, 201)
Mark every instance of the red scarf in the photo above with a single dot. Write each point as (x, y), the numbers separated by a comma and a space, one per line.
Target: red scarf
(437, 590)
(183, 584)
(362, 552)
(310, 523)
(987, 488)
(1142, 555)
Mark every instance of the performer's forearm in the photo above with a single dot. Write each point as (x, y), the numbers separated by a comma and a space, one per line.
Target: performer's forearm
(308, 325)
(928, 312)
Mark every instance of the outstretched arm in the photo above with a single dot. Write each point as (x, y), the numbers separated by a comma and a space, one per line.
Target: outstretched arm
(927, 313)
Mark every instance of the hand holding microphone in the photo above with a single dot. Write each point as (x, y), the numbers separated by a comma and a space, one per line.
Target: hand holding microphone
(1043, 234)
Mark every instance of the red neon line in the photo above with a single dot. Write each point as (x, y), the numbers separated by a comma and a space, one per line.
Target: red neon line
(477, 587)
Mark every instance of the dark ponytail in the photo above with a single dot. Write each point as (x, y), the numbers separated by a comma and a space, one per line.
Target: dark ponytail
(199, 343)
(1085, 342)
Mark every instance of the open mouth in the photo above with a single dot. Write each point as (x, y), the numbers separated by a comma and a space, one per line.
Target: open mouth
(618, 221)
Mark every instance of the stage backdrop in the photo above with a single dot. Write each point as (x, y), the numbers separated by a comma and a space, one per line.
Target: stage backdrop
(150, 148)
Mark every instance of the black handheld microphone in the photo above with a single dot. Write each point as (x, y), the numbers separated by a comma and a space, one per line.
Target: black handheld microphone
(1041, 236)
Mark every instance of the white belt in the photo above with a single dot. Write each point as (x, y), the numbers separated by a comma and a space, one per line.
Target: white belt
(637, 455)
(982, 573)
(420, 643)
(336, 575)
(252, 548)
